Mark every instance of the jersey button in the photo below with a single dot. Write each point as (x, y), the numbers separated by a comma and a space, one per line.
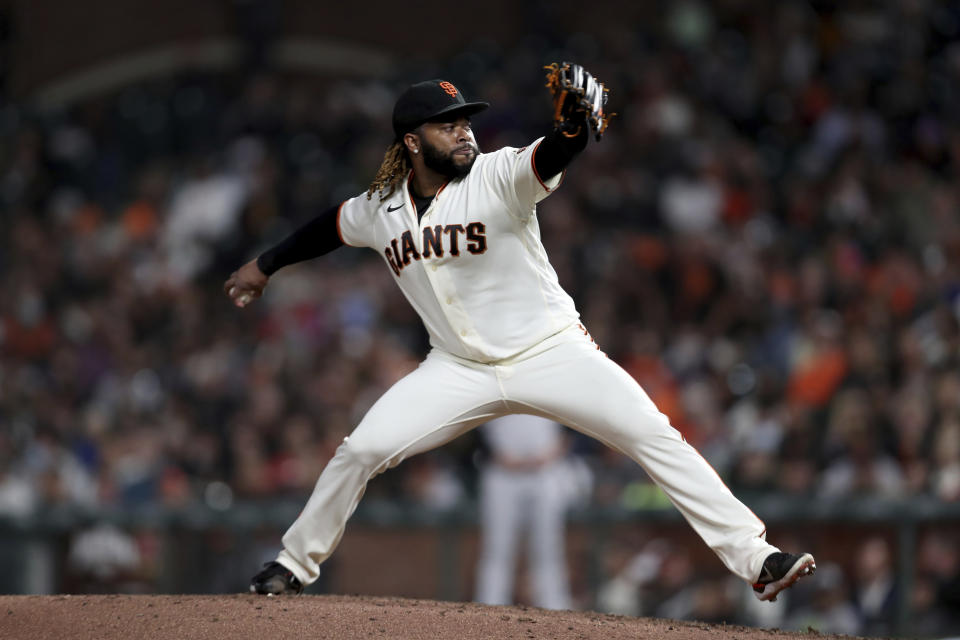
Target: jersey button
(433, 267)
(449, 300)
(463, 332)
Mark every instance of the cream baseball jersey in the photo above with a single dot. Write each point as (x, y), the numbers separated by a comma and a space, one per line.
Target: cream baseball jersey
(473, 267)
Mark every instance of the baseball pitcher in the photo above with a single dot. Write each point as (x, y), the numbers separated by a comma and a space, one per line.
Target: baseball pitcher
(458, 232)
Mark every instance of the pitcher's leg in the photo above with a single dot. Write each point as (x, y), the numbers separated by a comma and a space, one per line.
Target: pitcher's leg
(432, 405)
(579, 386)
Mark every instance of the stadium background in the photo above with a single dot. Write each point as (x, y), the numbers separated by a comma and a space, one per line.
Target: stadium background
(768, 239)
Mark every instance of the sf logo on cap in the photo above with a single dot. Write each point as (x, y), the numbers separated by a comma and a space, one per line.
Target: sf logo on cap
(449, 88)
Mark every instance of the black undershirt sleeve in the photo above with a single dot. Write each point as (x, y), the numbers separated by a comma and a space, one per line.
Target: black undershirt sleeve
(556, 151)
(316, 238)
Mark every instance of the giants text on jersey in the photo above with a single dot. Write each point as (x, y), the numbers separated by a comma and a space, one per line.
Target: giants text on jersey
(450, 264)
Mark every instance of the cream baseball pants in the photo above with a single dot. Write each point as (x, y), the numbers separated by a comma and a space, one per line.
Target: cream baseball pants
(565, 378)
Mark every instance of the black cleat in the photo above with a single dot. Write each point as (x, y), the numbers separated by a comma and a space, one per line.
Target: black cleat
(780, 571)
(275, 580)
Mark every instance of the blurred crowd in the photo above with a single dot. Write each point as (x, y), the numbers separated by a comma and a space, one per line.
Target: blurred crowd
(858, 597)
(767, 239)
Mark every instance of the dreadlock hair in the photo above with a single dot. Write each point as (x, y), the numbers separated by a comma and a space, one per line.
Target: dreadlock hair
(392, 171)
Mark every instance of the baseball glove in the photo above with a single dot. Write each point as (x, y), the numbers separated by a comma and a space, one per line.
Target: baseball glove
(576, 95)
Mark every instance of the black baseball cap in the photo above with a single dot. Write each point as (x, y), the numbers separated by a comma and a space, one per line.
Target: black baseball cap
(427, 101)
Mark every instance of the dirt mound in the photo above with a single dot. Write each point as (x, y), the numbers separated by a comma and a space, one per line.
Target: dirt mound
(122, 617)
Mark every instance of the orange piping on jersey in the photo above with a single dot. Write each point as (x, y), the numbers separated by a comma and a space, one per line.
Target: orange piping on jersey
(410, 191)
(534, 166)
(413, 203)
(339, 231)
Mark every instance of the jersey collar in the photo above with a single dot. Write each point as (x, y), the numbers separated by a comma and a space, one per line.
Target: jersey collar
(408, 187)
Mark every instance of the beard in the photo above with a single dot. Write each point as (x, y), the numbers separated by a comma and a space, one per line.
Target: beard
(445, 163)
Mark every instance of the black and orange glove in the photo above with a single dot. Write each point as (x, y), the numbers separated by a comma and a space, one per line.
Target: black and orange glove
(577, 97)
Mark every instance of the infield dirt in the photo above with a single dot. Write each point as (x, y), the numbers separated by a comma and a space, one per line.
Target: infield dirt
(128, 617)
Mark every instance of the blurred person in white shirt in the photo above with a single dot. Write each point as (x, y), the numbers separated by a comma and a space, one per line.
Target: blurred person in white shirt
(526, 487)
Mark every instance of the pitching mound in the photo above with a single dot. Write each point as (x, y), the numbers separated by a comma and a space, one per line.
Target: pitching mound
(124, 617)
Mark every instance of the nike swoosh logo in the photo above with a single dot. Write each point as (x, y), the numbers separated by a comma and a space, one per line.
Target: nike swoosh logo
(766, 577)
(399, 206)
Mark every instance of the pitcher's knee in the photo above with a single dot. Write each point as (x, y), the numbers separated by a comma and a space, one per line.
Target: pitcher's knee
(366, 453)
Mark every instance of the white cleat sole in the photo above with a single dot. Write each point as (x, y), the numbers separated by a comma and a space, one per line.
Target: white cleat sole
(805, 566)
